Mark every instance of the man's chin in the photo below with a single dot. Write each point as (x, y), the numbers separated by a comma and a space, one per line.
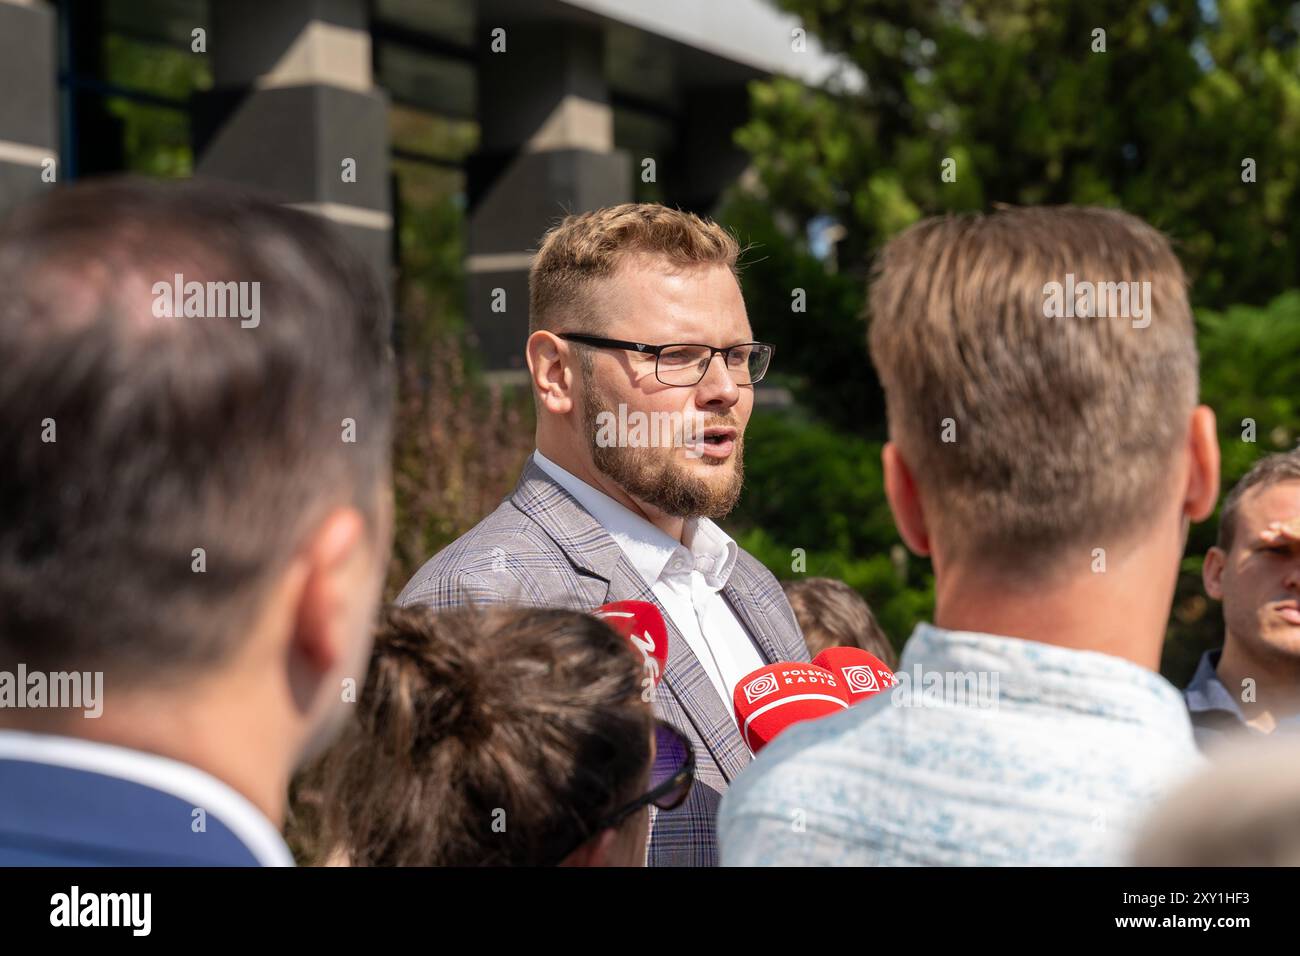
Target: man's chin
(1283, 636)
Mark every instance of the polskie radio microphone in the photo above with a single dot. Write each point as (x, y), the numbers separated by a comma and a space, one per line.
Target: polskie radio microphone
(647, 634)
(861, 673)
(770, 699)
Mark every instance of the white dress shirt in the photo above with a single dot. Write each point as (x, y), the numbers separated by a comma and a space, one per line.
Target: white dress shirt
(687, 578)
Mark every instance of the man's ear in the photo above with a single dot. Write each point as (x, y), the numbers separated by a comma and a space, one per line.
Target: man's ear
(904, 501)
(1203, 474)
(595, 852)
(335, 564)
(549, 365)
(1212, 572)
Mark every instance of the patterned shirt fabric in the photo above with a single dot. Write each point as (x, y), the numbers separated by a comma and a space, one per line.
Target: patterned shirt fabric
(990, 751)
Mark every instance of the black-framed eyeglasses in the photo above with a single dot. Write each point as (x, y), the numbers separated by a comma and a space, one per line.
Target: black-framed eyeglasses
(684, 364)
(671, 774)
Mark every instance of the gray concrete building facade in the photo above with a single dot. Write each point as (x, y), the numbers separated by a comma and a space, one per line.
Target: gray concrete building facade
(416, 126)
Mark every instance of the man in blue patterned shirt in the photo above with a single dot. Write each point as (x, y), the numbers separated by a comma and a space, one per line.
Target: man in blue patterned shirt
(1047, 453)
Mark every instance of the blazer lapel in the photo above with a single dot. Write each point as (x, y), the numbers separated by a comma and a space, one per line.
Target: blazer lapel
(687, 680)
(740, 593)
(578, 535)
(592, 551)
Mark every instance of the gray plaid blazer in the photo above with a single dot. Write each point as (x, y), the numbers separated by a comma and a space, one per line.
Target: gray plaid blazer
(542, 548)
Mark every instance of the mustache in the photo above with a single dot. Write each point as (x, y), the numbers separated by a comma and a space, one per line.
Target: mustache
(727, 422)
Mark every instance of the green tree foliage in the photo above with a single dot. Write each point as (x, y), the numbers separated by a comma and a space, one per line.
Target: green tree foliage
(1020, 96)
(1017, 93)
(816, 494)
(821, 351)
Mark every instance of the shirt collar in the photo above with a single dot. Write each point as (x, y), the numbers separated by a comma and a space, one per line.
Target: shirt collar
(1035, 674)
(705, 547)
(194, 786)
(1205, 692)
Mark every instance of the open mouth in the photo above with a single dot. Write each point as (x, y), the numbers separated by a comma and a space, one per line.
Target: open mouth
(718, 442)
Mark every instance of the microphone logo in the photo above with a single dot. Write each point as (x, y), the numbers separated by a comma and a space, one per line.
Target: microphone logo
(760, 687)
(861, 679)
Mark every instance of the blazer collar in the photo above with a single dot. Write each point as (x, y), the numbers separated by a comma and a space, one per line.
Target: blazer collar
(686, 680)
(586, 544)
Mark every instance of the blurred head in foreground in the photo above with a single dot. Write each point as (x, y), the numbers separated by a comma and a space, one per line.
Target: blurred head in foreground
(832, 614)
(1243, 811)
(1046, 443)
(182, 504)
(491, 737)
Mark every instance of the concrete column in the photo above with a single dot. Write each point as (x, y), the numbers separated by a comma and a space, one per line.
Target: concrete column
(293, 99)
(29, 104)
(546, 149)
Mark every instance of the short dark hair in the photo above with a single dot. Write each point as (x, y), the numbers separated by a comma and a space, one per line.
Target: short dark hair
(1269, 470)
(173, 434)
(470, 713)
(832, 614)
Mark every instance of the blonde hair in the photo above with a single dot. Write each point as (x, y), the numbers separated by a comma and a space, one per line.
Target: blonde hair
(1030, 435)
(591, 245)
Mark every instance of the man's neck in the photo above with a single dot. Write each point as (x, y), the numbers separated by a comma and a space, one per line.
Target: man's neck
(584, 470)
(1274, 683)
(1122, 612)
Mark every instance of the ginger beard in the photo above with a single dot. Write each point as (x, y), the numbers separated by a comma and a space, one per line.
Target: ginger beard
(655, 475)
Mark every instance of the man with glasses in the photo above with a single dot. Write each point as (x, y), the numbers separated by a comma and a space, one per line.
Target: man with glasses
(636, 319)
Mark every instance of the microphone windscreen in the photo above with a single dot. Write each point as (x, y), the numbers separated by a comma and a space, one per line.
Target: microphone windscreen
(861, 673)
(772, 698)
(647, 634)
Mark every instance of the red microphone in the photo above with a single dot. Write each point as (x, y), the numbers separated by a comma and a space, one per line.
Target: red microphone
(643, 626)
(772, 698)
(862, 674)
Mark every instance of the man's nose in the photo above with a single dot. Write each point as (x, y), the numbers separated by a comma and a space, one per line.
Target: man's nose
(717, 386)
(1291, 580)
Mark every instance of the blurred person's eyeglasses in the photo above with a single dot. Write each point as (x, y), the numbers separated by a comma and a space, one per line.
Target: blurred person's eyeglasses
(688, 363)
(671, 776)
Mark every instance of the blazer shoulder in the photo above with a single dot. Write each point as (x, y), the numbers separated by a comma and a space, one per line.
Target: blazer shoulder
(754, 566)
(485, 565)
(759, 578)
